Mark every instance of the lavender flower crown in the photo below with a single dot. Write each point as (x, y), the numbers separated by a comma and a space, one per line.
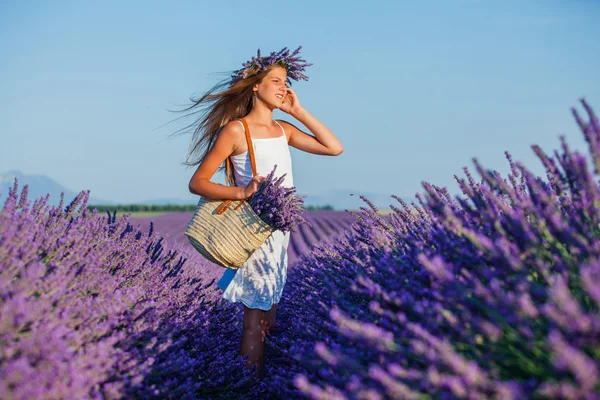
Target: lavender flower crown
(293, 63)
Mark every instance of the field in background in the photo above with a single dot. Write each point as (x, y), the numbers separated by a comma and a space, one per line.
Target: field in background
(149, 214)
(325, 227)
(142, 214)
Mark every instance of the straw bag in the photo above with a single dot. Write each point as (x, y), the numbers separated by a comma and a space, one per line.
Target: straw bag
(228, 232)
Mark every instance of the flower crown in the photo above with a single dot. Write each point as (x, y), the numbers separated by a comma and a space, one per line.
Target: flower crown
(291, 62)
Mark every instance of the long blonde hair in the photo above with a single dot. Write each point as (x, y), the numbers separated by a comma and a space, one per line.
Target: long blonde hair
(215, 109)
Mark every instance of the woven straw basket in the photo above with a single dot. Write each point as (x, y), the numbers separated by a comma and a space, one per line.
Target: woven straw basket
(228, 232)
(230, 238)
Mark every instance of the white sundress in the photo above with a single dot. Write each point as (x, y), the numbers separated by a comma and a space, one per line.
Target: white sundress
(259, 282)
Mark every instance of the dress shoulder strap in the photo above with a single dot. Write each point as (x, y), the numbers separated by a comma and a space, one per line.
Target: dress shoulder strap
(240, 121)
(282, 130)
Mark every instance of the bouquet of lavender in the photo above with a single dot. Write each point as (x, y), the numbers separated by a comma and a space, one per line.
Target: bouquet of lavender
(277, 205)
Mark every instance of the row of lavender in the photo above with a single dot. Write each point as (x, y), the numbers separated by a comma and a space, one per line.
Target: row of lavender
(324, 227)
(492, 295)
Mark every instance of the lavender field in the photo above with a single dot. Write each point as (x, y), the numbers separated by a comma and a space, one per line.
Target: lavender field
(494, 294)
(325, 227)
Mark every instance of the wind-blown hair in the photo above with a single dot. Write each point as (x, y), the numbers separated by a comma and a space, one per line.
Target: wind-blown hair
(214, 109)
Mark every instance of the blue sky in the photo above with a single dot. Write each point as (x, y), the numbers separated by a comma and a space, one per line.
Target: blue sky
(414, 90)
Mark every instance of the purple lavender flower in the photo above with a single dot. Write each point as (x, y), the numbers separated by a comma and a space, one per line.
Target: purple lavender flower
(293, 63)
(277, 205)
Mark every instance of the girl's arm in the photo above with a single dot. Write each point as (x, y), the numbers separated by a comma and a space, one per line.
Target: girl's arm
(323, 143)
(224, 146)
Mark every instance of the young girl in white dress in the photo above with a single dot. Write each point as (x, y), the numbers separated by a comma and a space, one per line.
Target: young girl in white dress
(252, 93)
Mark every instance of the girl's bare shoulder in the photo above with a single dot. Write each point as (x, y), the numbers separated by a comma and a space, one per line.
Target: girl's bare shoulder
(232, 131)
(288, 128)
(233, 134)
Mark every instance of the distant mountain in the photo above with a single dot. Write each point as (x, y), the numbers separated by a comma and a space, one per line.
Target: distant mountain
(39, 186)
(350, 199)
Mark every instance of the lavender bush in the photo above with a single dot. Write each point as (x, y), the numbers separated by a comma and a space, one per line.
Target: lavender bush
(277, 205)
(91, 307)
(492, 295)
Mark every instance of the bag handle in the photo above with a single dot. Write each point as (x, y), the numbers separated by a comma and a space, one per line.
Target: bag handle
(229, 169)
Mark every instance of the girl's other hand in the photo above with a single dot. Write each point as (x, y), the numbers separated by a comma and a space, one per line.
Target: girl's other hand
(291, 104)
(252, 186)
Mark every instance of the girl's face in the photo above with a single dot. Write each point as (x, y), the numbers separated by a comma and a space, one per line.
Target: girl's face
(272, 89)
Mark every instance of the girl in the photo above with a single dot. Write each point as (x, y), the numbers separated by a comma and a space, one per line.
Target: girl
(252, 94)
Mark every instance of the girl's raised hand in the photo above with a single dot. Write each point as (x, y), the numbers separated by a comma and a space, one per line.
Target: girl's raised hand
(291, 104)
(252, 186)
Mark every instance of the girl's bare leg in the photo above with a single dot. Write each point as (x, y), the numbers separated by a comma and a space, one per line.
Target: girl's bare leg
(271, 318)
(255, 326)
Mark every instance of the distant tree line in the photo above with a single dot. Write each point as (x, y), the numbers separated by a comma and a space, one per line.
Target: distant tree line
(143, 207)
(316, 208)
(168, 207)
